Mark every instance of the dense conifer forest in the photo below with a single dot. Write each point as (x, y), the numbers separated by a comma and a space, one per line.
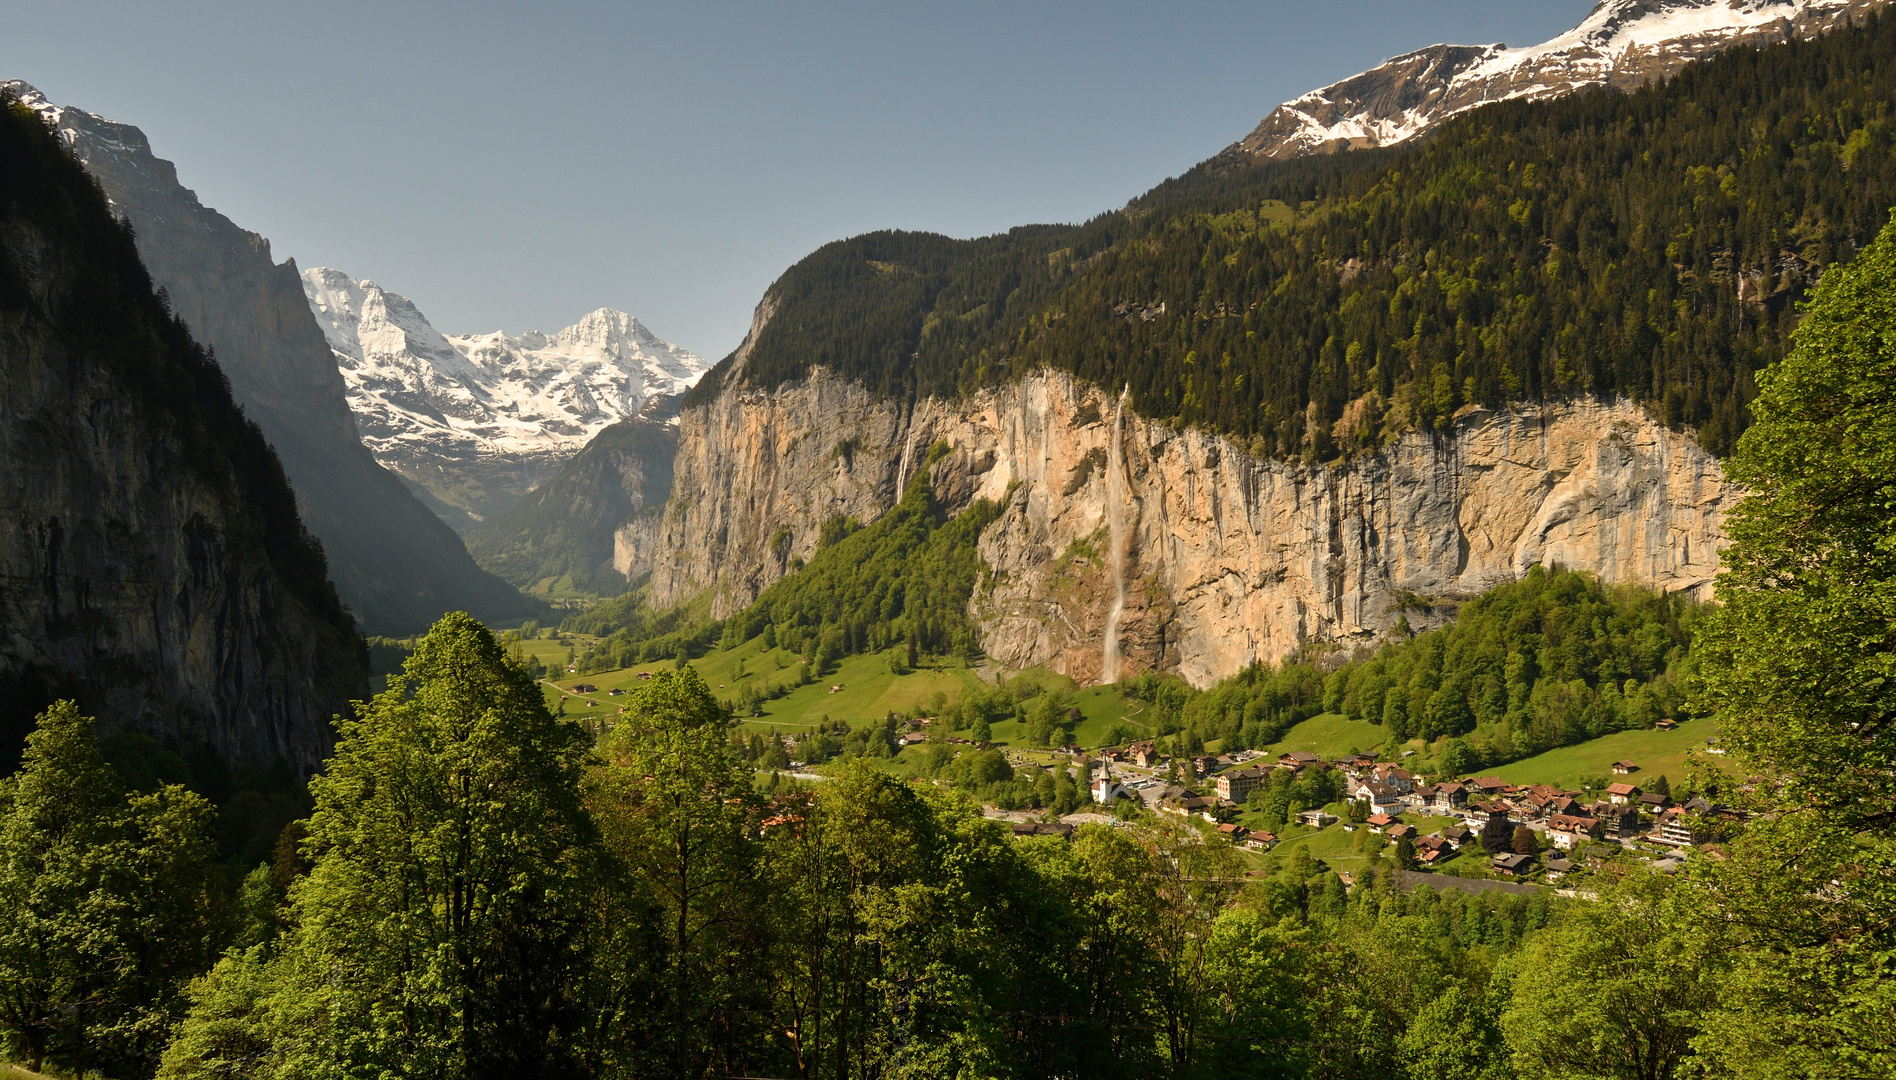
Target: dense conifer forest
(1653, 245)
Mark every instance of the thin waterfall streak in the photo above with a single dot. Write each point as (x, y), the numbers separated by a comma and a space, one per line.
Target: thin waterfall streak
(908, 456)
(1116, 499)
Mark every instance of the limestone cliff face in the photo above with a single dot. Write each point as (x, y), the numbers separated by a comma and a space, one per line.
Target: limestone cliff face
(1229, 558)
(396, 564)
(151, 562)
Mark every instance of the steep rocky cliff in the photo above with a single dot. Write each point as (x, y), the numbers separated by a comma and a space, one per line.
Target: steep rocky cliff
(396, 564)
(152, 563)
(1228, 558)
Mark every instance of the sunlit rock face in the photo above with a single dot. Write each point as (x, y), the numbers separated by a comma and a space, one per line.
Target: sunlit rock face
(1230, 559)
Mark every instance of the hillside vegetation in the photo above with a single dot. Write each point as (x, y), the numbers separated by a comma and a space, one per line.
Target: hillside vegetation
(902, 580)
(1553, 659)
(558, 539)
(1652, 245)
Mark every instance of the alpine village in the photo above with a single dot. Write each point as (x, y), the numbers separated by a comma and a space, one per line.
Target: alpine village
(1411, 596)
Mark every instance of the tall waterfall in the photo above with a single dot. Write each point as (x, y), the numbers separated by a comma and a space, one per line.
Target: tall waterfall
(908, 456)
(1116, 499)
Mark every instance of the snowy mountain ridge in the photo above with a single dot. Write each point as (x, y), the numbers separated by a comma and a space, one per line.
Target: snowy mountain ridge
(1620, 44)
(474, 421)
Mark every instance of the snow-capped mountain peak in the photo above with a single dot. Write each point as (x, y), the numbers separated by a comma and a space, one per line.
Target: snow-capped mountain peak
(477, 419)
(1620, 44)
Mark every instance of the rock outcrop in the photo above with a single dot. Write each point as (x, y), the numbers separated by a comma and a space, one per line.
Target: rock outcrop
(396, 564)
(1230, 559)
(152, 564)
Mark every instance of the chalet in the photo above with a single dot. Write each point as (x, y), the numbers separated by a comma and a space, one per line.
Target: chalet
(1236, 786)
(1380, 797)
(1620, 821)
(1483, 811)
(1261, 841)
(912, 738)
(585, 688)
(1624, 768)
(1400, 830)
(615, 691)
(1486, 787)
(1316, 819)
(645, 675)
(1356, 763)
(1395, 776)
(1675, 829)
(1378, 822)
(1204, 765)
(1558, 867)
(1512, 864)
(1298, 760)
(1112, 755)
(1433, 849)
(1188, 804)
(1566, 830)
(1623, 794)
(1449, 797)
(1237, 834)
(1652, 802)
(1143, 753)
(1458, 836)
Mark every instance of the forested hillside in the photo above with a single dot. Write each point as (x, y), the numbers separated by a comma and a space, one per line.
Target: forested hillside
(904, 579)
(1553, 659)
(558, 538)
(1652, 244)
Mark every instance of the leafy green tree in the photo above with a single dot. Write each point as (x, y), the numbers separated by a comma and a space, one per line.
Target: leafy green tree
(105, 914)
(226, 1033)
(436, 933)
(1617, 988)
(1455, 1037)
(1798, 666)
(675, 808)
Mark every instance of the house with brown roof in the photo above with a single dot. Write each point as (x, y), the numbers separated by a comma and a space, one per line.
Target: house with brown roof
(1512, 864)
(1624, 768)
(1623, 794)
(1378, 822)
(1236, 786)
(1394, 776)
(1144, 753)
(1380, 797)
(1400, 830)
(1449, 797)
(1566, 830)
(1234, 833)
(1458, 835)
(1298, 759)
(1487, 786)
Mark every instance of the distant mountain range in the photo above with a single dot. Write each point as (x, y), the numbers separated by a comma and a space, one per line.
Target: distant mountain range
(1621, 44)
(396, 565)
(474, 422)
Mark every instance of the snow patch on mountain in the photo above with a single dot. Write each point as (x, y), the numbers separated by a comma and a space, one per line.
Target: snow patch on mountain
(1621, 44)
(476, 420)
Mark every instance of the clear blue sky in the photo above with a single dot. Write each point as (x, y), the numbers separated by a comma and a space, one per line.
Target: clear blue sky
(513, 166)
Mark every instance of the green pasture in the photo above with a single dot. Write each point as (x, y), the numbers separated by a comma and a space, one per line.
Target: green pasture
(1657, 753)
(1332, 735)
